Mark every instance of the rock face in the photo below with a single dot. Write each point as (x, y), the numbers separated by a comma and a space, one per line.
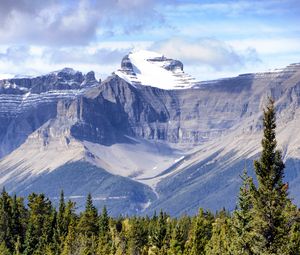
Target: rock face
(27, 103)
(180, 149)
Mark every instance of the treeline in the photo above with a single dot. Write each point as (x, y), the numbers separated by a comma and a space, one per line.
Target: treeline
(265, 221)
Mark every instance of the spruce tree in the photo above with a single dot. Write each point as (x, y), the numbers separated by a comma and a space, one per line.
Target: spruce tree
(104, 221)
(62, 227)
(294, 235)
(6, 220)
(201, 232)
(177, 240)
(88, 223)
(242, 219)
(137, 236)
(105, 245)
(71, 243)
(17, 230)
(220, 242)
(270, 197)
(38, 230)
(159, 232)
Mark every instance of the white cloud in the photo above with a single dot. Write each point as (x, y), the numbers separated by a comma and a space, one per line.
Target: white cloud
(35, 60)
(206, 51)
(42, 36)
(268, 46)
(57, 22)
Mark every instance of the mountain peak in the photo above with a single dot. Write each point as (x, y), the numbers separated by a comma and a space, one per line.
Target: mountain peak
(154, 69)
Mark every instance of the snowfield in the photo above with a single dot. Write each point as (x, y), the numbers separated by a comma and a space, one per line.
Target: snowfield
(149, 68)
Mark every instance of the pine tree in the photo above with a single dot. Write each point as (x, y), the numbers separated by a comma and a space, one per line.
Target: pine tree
(104, 221)
(87, 245)
(137, 236)
(177, 241)
(88, 223)
(220, 242)
(37, 230)
(201, 232)
(293, 215)
(105, 245)
(5, 220)
(270, 198)
(61, 223)
(242, 219)
(159, 232)
(17, 230)
(71, 245)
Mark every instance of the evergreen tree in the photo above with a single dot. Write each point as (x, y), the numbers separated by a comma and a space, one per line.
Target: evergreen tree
(71, 244)
(6, 220)
(293, 215)
(177, 240)
(62, 227)
(201, 232)
(105, 245)
(18, 247)
(88, 223)
(294, 241)
(17, 229)
(242, 219)
(3, 249)
(37, 230)
(104, 221)
(270, 198)
(158, 234)
(48, 241)
(137, 236)
(87, 245)
(220, 241)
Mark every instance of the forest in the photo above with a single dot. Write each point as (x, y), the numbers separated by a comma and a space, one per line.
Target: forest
(264, 222)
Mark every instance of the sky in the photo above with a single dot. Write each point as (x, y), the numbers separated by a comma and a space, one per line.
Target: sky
(213, 39)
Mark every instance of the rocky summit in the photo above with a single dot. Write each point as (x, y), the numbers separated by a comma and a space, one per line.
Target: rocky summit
(148, 137)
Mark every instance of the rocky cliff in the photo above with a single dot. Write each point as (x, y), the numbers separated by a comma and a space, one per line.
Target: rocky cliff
(139, 148)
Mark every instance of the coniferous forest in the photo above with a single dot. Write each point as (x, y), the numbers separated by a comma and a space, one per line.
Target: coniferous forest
(264, 222)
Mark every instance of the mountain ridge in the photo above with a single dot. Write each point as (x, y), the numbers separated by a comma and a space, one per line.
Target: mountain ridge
(185, 147)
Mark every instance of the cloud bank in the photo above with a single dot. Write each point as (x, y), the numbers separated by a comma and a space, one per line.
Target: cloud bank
(206, 51)
(56, 22)
(213, 37)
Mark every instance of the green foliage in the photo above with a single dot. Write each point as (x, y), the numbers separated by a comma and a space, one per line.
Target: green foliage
(6, 234)
(38, 232)
(88, 223)
(137, 235)
(220, 241)
(270, 199)
(177, 240)
(159, 232)
(242, 219)
(105, 244)
(201, 233)
(3, 249)
(71, 243)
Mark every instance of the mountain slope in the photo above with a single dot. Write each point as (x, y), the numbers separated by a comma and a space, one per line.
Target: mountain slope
(180, 148)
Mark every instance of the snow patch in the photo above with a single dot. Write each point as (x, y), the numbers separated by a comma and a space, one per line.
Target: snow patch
(149, 69)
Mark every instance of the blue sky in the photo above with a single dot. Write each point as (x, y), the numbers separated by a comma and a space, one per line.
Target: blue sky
(212, 38)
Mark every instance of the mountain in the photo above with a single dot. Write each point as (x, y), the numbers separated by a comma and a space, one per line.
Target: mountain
(153, 69)
(139, 143)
